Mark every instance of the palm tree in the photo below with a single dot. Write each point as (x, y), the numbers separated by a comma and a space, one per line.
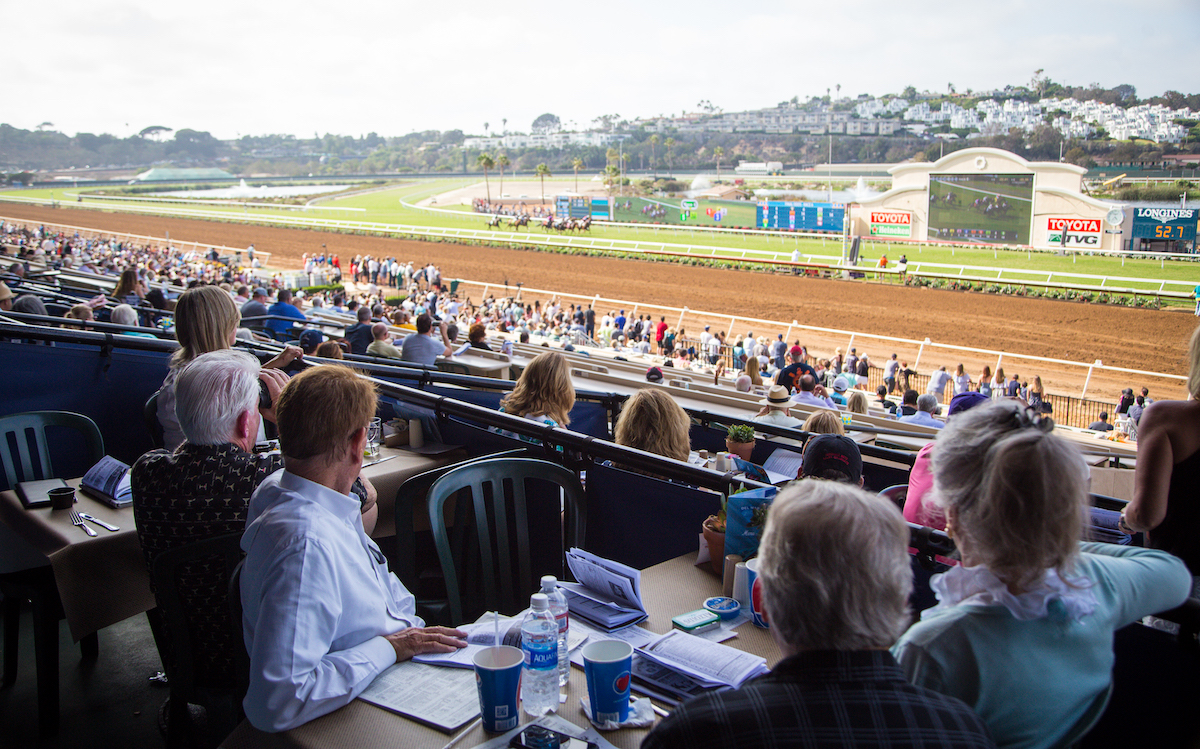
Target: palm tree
(501, 162)
(654, 141)
(611, 175)
(576, 164)
(670, 164)
(486, 162)
(543, 171)
(719, 153)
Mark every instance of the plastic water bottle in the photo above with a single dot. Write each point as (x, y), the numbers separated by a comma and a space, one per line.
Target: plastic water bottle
(558, 607)
(539, 640)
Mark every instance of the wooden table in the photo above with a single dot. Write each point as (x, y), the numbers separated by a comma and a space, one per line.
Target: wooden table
(670, 588)
(101, 580)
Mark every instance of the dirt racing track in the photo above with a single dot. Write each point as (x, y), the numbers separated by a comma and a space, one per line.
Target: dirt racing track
(1119, 336)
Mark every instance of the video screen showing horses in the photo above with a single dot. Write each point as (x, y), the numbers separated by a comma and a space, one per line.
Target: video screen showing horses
(980, 207)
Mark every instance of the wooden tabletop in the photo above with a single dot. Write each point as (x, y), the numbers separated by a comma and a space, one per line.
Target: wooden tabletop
(101, 580)
(670, 588)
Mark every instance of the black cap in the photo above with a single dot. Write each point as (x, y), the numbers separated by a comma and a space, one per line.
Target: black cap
(833, 452)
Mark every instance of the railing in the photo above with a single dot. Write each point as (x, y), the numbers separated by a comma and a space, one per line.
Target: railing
(696, 320)
(826, 263)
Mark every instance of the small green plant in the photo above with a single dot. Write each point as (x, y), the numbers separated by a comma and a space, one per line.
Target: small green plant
(741, 433)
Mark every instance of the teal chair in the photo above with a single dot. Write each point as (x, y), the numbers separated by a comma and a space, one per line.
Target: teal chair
(25, 455)
(29, 458)
(485, 547)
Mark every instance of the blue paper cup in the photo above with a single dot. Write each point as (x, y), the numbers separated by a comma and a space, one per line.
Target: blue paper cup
(607, 665)
(498, 677)
(754, 586)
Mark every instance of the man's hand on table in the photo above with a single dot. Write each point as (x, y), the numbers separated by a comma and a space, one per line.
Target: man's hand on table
(418, 640)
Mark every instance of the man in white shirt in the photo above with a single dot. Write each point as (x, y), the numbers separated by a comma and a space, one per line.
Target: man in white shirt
(322, 615)
(775, 409)
(927, 406)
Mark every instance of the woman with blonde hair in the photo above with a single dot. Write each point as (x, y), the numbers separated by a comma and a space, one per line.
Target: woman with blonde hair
(962, 380)
(857, 402)
(985, 381)
(998, 384)
(824, 421)
(544, 391)
(206, 319)
(80, 312)
(651, 420)
(1023, 631)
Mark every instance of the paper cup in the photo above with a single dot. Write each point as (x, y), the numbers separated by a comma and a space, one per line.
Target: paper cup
(754, 587)
(61, 498)
(498, 678)
(607, 666)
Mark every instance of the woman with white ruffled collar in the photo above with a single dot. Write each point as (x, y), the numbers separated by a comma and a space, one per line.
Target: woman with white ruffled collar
(1024, 628)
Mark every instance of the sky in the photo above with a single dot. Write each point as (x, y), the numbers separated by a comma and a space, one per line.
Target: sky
(396, 66)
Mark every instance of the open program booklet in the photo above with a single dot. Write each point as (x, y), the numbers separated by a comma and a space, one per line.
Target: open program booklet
(482, 634)
(608, 594)
(678, 666)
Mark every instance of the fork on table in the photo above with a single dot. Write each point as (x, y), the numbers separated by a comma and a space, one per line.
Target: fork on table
(76, 520)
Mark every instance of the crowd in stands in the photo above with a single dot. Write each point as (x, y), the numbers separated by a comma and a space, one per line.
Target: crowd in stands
(1018, 652)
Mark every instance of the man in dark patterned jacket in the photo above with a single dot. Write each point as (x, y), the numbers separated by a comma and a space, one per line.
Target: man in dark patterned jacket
(835, 580)
(201, 490)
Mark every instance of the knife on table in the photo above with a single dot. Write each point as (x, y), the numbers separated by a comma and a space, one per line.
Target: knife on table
(100, 523)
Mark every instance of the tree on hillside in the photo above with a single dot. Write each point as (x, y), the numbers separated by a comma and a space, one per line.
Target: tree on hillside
(501, 162)
(670, 144)
(654, 139)
(195, 144)
(155, 132)
(718, 153)
(486, 163)
(45, 126)
(542, 171)
(546, 123)
(576, 164)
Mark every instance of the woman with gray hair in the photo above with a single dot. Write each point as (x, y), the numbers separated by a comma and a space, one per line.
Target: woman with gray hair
(1023, 631)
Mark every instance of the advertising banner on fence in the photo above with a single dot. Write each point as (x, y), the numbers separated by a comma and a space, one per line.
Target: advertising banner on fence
(891, 224)
(1084, 233)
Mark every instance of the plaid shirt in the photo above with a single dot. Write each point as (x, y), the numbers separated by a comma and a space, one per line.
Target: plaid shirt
(823, 699)
(194, 493)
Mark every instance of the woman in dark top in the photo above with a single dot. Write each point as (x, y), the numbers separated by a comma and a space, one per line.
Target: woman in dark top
(1166, 490)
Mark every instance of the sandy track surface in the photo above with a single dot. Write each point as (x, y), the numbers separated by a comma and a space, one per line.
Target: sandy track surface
(1134, 338)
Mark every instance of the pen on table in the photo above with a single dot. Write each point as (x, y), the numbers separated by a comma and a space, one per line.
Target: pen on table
(465, 731)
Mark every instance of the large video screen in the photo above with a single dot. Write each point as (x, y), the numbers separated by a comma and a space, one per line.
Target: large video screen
(980, 207)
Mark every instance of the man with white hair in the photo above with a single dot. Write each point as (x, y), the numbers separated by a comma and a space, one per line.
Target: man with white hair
(201, 489)
(927, 406)
(833, 581)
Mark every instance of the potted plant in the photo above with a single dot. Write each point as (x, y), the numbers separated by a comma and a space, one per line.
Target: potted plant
(713, 529)
(740, 440)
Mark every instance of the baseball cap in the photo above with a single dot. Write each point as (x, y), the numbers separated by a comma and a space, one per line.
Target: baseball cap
(259, 291)
(833, 452)
(310, 339)
(654, 374)
(840, 384)
(794, 350)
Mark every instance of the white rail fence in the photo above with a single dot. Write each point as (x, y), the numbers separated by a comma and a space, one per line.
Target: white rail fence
(696, 319)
